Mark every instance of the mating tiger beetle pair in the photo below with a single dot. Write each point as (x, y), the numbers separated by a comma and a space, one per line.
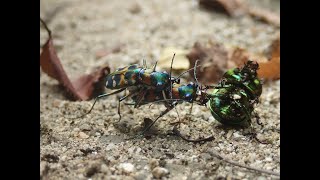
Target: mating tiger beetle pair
(231, 102)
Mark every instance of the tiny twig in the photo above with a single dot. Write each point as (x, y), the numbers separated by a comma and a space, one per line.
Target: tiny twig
(177, 132)
(46, 27)
(216, 154)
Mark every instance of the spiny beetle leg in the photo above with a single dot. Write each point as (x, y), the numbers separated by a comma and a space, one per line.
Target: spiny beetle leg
(256, 115)
(140, 135)
(189, 115)
(121, 99)
(140, 96)
(253, 135)
(162, 114)
(96, 99)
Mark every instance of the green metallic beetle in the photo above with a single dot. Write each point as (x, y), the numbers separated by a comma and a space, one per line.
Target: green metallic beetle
(232, 101)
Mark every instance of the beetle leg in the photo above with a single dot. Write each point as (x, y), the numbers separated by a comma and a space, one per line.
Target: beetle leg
(123, 98)
(151, 124)
(140, 96)
(96, 99)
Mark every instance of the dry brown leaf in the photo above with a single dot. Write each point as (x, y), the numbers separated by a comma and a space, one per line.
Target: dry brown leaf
(91, 85)
(232, 8)
(82, 88)
(213, 60)
(265, 16)
(236, 8)
(238, 56)
(180, 61)
(270, 70)
(51, 65)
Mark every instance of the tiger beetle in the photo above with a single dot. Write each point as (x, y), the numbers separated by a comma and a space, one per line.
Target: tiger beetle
(140, 82)
(137, 80)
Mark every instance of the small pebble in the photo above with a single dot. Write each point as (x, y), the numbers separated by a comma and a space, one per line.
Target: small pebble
(229, 149)
(83, 135)
(211, 119)
(63, 158)
(268, 167)
(85, 127)
(110, 146)
(241, 174)
(153, 163)
(104, 168)
(261, 178)
(126, 167)
(206, 156)
(159, 172)
(236, 135)
(43, 168)
(269, 159)
(131, 150)
(229, 134)
(56, 103)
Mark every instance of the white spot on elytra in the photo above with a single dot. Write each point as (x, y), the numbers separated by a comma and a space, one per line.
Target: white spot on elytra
(236, 96)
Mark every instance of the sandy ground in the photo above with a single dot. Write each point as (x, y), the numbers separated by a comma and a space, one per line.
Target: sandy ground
(95, 146)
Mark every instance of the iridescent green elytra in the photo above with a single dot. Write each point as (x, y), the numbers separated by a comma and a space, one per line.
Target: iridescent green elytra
(231, 106)
(232, 101)
(245, 78)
